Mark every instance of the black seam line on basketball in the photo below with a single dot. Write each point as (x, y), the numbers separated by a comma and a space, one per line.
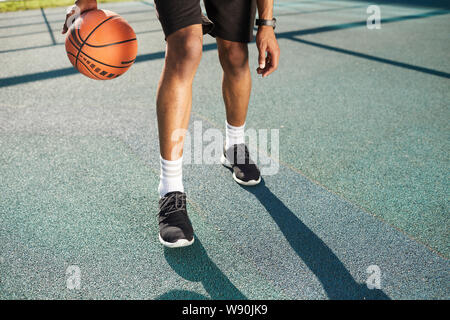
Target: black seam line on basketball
(85, 67)
(79, 35)
(109, 44)
(75, 39)
(95, 59)
(123, 62)
(73, 44)
(72, 40)
(81, 51)
(126, 62)
(77, 45)
(105, 64)
(84, 41)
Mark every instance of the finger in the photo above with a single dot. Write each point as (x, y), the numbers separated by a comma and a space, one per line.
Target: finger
(65, 27)
(69, 13)
(261, 70)
(270, 68)
(262, 56)
(275, 58)
(273, 65)
(266, 65)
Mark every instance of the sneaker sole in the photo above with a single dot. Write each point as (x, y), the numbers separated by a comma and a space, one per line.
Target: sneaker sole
(178, 244)
(227, 164)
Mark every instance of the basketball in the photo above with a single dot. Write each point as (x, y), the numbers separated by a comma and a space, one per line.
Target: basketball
(101, 44)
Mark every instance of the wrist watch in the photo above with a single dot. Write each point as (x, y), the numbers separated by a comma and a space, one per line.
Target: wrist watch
(262, 22)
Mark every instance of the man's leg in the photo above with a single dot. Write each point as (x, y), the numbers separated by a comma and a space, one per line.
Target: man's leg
(174, 99)
(173, 103)
(174, 95)
(236, 88)
(237, 81)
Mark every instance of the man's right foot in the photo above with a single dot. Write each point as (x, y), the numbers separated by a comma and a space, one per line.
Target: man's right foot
(245, 171)
(175, 228)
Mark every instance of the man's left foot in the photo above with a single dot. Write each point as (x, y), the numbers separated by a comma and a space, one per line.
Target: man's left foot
(245, 171)
(175, 228)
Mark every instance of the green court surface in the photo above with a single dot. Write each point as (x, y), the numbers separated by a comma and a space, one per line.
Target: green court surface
(363, 180)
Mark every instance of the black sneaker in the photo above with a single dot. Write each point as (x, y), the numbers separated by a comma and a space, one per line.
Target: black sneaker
(245, 171)
(175, 228)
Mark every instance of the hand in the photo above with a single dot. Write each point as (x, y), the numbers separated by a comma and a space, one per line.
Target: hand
(266, 42)
(79, 7)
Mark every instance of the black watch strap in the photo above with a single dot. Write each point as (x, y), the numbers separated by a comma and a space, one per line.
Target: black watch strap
(262, 22)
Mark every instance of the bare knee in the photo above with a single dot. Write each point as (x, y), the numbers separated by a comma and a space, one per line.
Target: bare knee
(184, 51)
(233, 56)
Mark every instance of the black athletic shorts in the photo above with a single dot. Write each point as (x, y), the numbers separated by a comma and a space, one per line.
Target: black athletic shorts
(231, 20)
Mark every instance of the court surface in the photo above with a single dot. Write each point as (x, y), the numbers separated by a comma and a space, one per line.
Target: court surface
(362, 188)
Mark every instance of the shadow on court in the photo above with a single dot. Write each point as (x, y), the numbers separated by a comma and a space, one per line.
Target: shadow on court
(320, 259)
(193, 264)
(182, 295)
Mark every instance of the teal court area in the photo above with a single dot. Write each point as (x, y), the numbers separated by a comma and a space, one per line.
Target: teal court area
(363, 180)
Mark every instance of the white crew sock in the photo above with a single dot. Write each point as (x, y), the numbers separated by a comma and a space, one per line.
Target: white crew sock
(233, 135)
(171, 178)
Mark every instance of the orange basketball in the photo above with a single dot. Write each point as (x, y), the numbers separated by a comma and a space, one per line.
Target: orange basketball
(101, 44)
